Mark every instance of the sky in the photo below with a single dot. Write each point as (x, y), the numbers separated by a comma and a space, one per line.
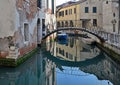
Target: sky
(58, 2)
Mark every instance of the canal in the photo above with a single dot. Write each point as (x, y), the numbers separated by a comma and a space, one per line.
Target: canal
(71, 62)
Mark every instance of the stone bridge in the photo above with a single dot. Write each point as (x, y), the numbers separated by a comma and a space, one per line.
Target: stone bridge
(74, 28)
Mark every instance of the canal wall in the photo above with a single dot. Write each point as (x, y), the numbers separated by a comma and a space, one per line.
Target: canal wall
(10, 62)
(112, 50)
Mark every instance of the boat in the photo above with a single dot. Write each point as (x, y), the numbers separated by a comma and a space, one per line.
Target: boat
(62, 36)
(63, 41)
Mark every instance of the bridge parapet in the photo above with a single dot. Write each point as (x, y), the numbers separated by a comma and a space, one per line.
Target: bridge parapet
(102, 35)
(75, 28)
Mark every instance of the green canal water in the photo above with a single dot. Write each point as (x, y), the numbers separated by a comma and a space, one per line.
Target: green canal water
(71, 62)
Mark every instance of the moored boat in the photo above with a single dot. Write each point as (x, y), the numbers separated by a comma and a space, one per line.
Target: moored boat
(62, 36)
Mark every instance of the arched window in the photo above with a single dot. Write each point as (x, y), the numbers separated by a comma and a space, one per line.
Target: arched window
(58, 24)
(66, 24)
(62, 24)
(71, 23)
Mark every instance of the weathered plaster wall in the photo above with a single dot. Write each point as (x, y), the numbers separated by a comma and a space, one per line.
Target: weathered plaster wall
(7, 18)
(15, 14)
(27, 14)
(7, 25)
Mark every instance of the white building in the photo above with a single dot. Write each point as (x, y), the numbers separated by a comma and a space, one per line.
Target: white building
(101, 14)
(91, 13)
(110, 16)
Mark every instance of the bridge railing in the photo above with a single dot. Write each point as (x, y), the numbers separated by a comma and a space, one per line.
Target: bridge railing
(110, 38)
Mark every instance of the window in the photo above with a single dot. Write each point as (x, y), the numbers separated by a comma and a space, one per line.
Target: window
(43, 24)
(94, 22)
(52, 6)
(59, 50)
(26, 32)
(60, 14)
(74, 10)
(58, 24)
(56, 50)
(39, 3)
(63, 53)
(62, 24)
(106, 2)
(63, 13)
(70, 56)
(43, 65)
(113, 14)
(94, 10)
(86, 9)
(66, 12)
(66, 54)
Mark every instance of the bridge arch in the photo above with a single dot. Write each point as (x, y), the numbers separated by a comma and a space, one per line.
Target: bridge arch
(74, 28)
(63, 62)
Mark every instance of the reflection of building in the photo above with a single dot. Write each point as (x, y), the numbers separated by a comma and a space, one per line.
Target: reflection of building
(36, 71)
(104, 68)
(75, 50)
(71, 51)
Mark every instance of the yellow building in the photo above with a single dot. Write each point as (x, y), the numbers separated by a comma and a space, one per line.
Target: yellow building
(68, 14)
(83, 13)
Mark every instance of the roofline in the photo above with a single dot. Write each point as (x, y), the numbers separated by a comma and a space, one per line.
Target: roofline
(74, 3)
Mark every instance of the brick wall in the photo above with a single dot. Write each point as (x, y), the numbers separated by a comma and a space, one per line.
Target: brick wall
(29, 7)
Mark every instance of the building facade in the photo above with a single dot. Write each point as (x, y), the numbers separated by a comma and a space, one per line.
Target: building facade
(68, 14)
(22, 25)
(83, 13)
(91, 14)
(110, 16)
(100, 14)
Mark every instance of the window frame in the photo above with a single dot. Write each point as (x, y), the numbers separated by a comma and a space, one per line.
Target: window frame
(86, 10)
(94, 9)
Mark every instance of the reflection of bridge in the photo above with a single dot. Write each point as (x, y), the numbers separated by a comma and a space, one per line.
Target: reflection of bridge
(74, 28)
(103, 67)
(62, 62)
(72, 67)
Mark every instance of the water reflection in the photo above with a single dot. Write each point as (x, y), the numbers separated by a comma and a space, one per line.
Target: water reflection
(36, 71)
(74, 63)
(74, 50)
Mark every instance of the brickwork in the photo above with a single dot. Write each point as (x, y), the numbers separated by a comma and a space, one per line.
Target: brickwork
(27, 49)
(3, 54)
(29, 7)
